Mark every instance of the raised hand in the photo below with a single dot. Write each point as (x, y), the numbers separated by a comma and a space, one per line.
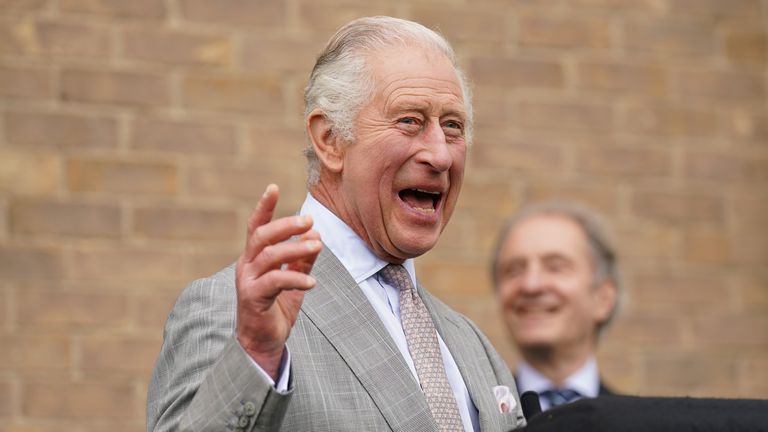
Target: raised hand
(272, 275)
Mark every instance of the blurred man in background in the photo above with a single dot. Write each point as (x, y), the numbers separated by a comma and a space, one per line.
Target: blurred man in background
(557, 282)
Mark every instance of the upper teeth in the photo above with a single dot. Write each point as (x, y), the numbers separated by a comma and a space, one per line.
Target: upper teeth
(428, 192)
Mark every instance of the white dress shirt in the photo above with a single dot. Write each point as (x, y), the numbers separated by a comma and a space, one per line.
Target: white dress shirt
(586, 380)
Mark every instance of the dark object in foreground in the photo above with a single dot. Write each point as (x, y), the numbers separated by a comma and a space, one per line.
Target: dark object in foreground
(654, 414)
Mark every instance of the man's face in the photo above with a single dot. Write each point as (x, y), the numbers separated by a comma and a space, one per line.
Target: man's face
(546, 285)
(401, 177)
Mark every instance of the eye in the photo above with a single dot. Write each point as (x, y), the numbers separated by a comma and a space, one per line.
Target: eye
(452, 124)
(453, 128)
(408, 120)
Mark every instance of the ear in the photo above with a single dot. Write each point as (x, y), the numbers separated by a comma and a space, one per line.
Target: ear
(606, 296)
(328, 146)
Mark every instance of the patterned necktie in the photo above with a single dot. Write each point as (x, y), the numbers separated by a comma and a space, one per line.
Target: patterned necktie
(557, 396)
(424, 347)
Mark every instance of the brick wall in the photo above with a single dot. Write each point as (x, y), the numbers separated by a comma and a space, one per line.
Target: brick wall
(135, 137)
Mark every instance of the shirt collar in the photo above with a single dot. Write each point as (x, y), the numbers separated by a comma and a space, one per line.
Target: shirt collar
(586, 380)
(345, 244)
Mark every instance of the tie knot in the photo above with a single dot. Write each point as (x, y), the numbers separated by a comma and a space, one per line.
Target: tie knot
(559, 396)
(397, 276)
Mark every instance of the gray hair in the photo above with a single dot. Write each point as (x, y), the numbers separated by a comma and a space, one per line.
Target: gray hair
(602, 253)
(341, 80)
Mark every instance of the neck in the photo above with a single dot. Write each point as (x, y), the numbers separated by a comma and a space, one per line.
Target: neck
(559, 363)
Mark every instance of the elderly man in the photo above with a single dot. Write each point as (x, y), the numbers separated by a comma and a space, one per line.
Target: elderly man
(557, 282)
(321, 325)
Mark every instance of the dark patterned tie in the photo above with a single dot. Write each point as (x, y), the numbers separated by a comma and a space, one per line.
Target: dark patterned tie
(557, 396)
(425, 350)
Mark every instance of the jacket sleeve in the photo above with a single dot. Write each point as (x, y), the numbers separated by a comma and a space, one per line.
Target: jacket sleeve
(203, 380)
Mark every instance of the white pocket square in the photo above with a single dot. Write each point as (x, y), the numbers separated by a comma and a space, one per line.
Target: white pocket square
(504, 398)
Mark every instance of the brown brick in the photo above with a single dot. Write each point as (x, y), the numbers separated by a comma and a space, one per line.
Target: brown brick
(48, 309)
(29, 173)
(475, 193)
(23, 5)
(262, 13)
(66, 218)
(326, 16)
(491, 107)
(186, 224)
(253, 94)
(749, 126)
(599, 196)
(121, 176)
(25, 82)
(746, 46)
(462, 24)
(78, 400)
(271, 143)
(753, 292)
(726, 167)
(6, 397)
(548, 32)
(23, 263)
(707, 246)
(60, 130)
(203, 264)
(717, 10)
(669, 293)
(649, 242)
(31, 353)
(54, 38)
(265, 55)
(679, 208)
(513, 73)
(665, 120)
(755, 376)
(139, 265)
(472, 278)
(518, 155)
(568, 116)
(745, 331)
(153, 311)
(681, 374)
(621, 78)
(652, 331)
(132, 88)
(749, 246)
(670, 38)
(178, 48)
(625, 162)
(653, 7)
(183, 137)
(250, 179)
(118, 9)
(748, 209)
(119, 355)
(738, 86)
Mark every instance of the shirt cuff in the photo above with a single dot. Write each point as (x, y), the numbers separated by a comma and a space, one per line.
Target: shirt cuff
(284, 372)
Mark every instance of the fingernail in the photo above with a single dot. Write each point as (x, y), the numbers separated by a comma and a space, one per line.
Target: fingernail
(303, 221)
(310, 280)
(270, 187)
(313, 244)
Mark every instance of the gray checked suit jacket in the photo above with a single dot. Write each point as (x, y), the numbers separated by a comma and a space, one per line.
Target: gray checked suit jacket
(346, 371)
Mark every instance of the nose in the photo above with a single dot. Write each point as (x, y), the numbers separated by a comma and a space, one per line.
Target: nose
(532, 281)
(435, 151)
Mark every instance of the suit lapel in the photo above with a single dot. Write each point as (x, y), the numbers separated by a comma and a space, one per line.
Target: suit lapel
(479, 387)
(342, 313)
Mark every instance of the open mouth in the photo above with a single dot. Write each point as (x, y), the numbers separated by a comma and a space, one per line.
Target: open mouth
(421, 200)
